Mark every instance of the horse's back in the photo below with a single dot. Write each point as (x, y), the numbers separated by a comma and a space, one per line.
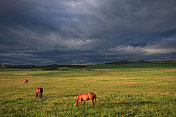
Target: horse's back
(25, 81)
(87, 95)
(91, 95)
(39, 90)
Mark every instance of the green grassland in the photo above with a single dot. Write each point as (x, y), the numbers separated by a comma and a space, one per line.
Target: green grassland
(127, 89)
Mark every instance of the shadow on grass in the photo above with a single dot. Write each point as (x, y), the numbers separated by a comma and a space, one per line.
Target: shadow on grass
(137, 103)
(112, 105)
(70, 95)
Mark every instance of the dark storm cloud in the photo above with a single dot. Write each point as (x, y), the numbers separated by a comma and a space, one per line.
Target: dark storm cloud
(86, 31)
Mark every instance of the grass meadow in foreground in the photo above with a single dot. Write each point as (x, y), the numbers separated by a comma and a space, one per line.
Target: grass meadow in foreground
(122, 90)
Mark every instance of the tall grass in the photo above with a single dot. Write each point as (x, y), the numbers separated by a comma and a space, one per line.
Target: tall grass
(122, 90)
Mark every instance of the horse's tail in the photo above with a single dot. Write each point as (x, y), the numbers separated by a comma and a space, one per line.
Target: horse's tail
(95, 99)
(41, 89)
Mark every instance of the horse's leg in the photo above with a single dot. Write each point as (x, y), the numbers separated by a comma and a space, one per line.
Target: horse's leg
(36, 94)
(95, 99)
(84, 103)
(92, 103)
(81, 102)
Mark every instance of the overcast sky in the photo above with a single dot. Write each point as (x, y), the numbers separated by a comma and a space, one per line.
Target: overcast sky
(86, 31)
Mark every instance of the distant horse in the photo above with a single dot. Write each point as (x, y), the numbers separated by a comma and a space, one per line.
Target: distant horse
(84, 97)
(25, 81)
(39, 92)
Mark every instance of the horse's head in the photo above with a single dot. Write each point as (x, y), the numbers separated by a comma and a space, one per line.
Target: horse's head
(76, 103)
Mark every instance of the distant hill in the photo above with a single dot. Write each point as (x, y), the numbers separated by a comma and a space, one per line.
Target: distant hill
(140, 61)
(111, 65)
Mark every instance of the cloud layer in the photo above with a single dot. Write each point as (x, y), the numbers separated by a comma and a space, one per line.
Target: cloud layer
(86, 31)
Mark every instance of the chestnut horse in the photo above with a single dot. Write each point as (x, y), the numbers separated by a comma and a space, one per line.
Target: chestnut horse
(39, 92)
(25, 81)
(84, 97)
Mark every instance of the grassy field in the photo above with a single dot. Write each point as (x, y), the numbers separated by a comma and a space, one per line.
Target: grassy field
(133, 89)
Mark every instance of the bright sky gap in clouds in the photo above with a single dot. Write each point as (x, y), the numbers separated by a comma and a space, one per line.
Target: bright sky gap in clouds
(86, 31)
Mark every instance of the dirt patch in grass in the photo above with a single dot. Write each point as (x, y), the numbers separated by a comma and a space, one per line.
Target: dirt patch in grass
(162, 83)
(171, 70)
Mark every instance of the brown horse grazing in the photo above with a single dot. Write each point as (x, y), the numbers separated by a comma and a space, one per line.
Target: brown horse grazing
(39, 91)
(84, 97)
(25, 81)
